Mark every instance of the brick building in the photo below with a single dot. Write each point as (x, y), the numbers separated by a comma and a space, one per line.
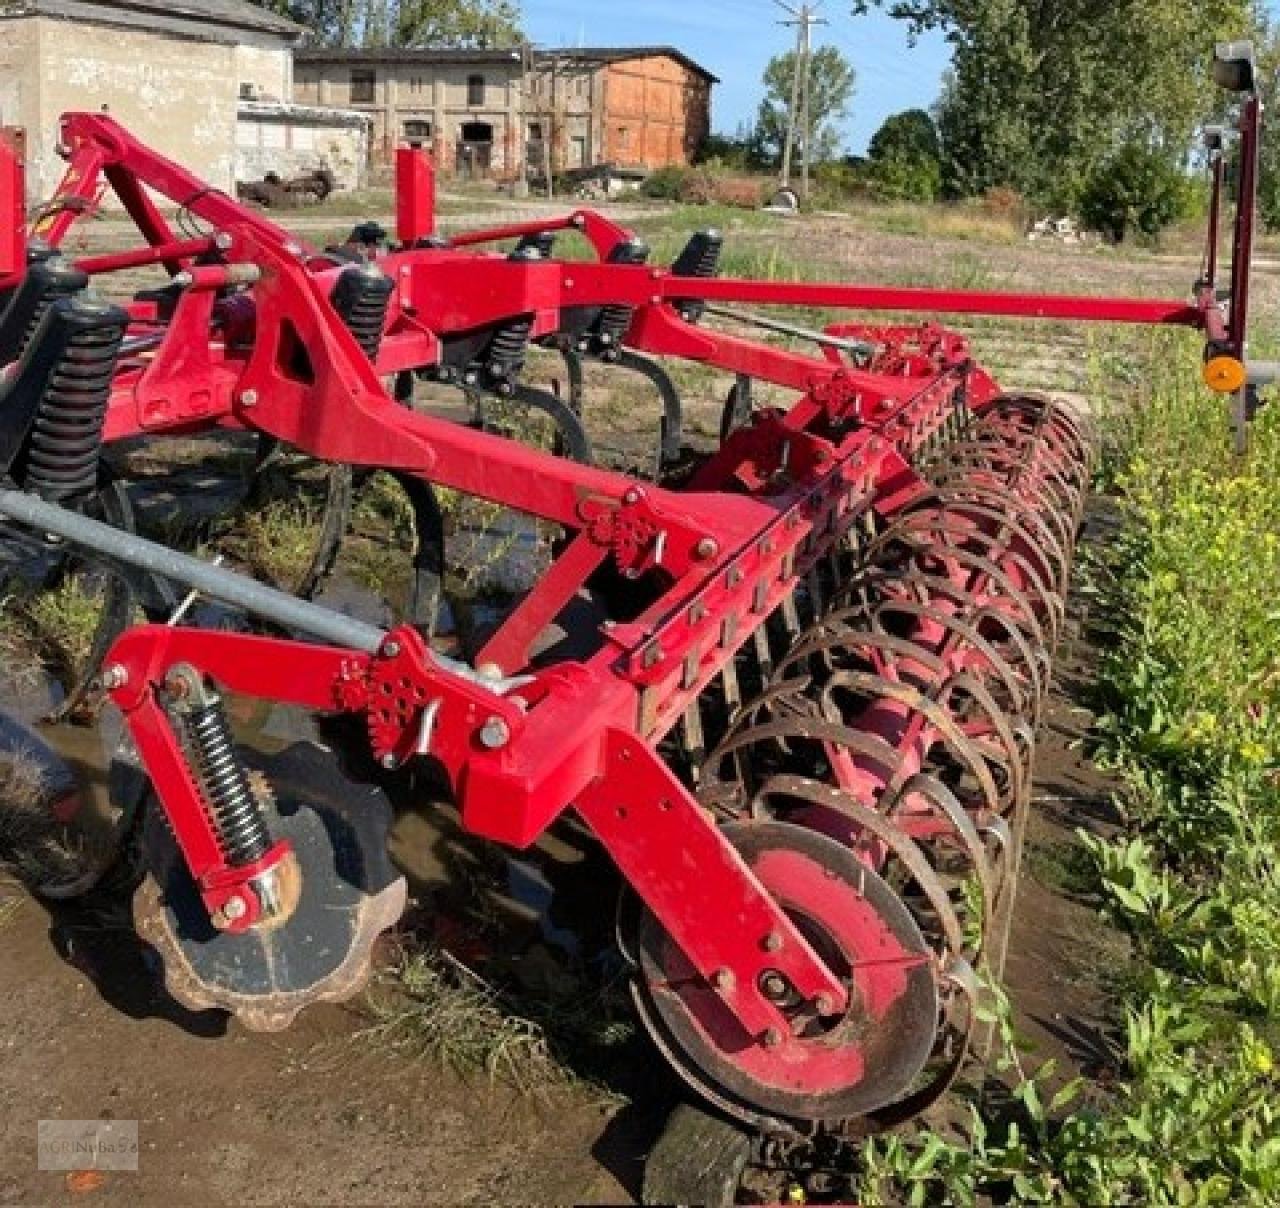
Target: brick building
(500, 114)
(466, 105)
(643, 107)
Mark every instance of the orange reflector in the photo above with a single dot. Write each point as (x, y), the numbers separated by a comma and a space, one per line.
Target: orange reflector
(1226, 375)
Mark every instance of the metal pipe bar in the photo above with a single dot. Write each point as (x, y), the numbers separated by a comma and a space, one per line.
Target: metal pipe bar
(860, 348)
(212, 581)
(516, 230)
(112, 262)
(936, 301)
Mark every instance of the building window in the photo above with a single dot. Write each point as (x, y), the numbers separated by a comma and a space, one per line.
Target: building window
(535, 132)
(475, 90)
(363, 82)
(418, 84)
(417, 131)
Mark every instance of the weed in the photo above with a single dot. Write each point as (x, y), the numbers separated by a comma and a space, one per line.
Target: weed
(430, 1005)
(57, 626)
(276, 542)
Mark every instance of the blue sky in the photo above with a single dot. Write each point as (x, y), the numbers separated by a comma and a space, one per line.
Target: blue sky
(736, 38)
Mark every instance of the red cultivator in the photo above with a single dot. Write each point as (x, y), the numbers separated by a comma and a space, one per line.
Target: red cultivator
(803, 723)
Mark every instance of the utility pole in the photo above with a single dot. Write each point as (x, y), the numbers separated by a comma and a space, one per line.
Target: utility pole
(800, 113)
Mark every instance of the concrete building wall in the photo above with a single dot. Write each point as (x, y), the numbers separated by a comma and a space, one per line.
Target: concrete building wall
(176, 95)
(19, 74)
(267, 70)
(292, 140)
(430, 103)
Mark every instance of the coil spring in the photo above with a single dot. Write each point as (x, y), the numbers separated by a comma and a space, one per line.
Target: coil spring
(46, 282)
(237, 814)
(66, 437)
(361, 298)
(614, 321)
(507, 350)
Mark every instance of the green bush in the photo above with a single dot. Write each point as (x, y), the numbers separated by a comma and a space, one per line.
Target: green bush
(1136, 189)
(898, 178)
(667, 184)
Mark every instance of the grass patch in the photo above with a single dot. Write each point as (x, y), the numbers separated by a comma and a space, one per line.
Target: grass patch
(52, 627)
(963, 222)
(430, 1006)
(276, 541)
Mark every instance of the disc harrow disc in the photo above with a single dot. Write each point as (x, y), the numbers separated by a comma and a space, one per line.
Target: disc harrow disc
(821, 1071)
(322, 952)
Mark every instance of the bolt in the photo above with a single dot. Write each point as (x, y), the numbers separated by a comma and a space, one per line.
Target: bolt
(568, 283)
(771, 942)
(774, 985)
(182, 280)
(249, 398)
(293, 249)
(391, 649)
(178, 687)
(489, 671)
(390, 762)
(114, 676)
(231, 911)
(772, 1038)
(632, 496)
(495, 734)
(706, 549)
(722, 979)
(223, 240)
(823, 1004)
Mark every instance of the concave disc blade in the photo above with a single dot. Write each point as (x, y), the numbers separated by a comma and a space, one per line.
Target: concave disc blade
(350, 894)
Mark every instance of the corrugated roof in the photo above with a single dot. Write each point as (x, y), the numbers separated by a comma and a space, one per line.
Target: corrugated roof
(236, 14)
(620, 54)
(432, 54)
(396, 54)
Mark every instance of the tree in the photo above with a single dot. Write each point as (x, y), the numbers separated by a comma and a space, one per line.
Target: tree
(405, 23)
(833, 84)
(1137, 188)
(909, 135)
(456, 23)
(1041, 93)
(904, 160)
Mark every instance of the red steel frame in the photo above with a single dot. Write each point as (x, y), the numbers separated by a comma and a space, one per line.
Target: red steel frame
(582, 735)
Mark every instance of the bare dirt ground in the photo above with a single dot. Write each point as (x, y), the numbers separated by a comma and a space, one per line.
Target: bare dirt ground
(320, 1114)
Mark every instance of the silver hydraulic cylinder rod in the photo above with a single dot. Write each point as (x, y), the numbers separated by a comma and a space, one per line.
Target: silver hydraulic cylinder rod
(860, 348)
(213, 582)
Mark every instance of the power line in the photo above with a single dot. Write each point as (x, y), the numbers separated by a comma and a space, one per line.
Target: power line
(804, 17)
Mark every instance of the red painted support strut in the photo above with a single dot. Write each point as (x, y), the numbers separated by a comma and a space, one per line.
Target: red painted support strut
(415, 195)
(12, 208)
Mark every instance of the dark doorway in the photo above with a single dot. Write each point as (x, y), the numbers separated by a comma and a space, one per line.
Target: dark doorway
(475, 151)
